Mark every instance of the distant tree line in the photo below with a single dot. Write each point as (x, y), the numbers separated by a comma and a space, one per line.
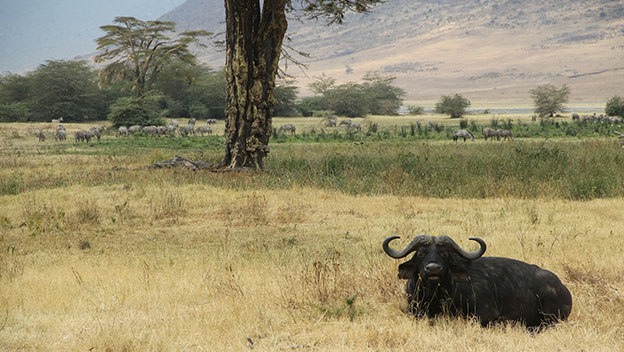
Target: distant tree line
(376, 95)
(71, 90)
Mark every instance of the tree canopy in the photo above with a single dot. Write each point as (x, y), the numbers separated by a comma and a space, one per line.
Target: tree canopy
(549, 99)
(136, 50)
(455, 105)
(375, 95)
(57, 88)
(615, 106)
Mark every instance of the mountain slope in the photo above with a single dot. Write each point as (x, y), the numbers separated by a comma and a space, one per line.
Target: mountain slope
(483, 49)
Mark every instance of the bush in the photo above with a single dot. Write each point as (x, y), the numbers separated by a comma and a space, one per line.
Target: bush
(199, 111)
(286, 95)
(177, 108)
(130, 111)
(309, 105)
(348, 100)
(415, 110)
(14, 112)
(615, 106)
(455, 106)
(383, 97)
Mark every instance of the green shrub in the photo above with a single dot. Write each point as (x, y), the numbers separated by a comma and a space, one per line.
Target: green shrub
(415, 110)
(130, 111)
(199, 111)
(615, 106)
(455, 106)
(14, 112)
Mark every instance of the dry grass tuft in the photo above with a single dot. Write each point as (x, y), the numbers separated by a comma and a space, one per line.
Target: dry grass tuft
(250, 210)
(84, 244)
(88, 213)
(167, 204)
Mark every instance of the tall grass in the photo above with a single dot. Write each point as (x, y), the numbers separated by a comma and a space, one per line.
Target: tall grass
(570, 170)
(566, 169)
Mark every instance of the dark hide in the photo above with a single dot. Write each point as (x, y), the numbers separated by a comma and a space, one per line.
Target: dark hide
(440, 281)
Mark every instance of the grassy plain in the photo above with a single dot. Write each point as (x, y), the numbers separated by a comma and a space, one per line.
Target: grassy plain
(100, 252)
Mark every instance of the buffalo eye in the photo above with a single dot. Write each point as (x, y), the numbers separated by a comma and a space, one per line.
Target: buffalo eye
(444, 254)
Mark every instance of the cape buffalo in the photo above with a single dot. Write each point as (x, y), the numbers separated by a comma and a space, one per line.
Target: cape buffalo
(443, 278)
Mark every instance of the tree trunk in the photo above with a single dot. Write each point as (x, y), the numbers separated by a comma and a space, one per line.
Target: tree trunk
(253, 46)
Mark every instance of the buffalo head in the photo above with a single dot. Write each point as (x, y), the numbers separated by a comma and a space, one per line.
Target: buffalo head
(435, 260)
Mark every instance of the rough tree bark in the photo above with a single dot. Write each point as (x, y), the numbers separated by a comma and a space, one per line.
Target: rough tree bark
(254, 38)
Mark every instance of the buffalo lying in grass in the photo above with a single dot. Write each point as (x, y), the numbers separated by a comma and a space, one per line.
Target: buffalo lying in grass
(443, 278)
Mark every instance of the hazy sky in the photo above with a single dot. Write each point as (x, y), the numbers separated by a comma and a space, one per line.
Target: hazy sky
(32, 31)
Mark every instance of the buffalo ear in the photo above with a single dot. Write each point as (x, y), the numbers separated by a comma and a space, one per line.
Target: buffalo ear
(407, 270)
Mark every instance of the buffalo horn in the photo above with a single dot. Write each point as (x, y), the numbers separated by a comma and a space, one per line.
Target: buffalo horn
(447, 241)
(412, 246)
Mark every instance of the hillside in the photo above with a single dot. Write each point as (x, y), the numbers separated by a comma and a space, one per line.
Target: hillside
(483, 49)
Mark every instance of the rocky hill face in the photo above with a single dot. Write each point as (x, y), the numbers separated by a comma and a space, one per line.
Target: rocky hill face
(484, 49)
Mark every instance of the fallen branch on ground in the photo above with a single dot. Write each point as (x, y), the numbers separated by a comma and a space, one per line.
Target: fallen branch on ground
(179, 161)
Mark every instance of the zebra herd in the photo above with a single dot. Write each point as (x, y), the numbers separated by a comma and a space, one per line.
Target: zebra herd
(96, 132)
(597, 119)
(168, 130)
(487, 133)
(60, 134)
(350, 125)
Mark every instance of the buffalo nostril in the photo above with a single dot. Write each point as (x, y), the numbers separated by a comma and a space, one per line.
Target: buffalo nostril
(433, 268)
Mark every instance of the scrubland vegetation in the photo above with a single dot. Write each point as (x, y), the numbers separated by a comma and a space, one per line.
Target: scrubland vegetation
(98, 251)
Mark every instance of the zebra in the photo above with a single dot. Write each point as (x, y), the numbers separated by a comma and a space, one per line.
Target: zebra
(462, 134)
(505, 134)
(289, 127)
(489, 132)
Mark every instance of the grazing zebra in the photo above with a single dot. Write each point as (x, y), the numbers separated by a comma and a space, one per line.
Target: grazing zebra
(57, 120)
(134, 129)
(505, 134)
(289, 127)
(346, 122)
(186, 131)
(82, 136)
(203, 129)
(60, 135)
(355, 127)
(123, 131)
(40, 135)
(462, 134)
(489, 132)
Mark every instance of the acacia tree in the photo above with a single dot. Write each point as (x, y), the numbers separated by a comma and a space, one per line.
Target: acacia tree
(615, 106)
(549, 99)
(455, 106)
(254, 37)
(138, 51)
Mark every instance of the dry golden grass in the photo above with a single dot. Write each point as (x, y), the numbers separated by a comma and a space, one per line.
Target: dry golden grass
(155, 264)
